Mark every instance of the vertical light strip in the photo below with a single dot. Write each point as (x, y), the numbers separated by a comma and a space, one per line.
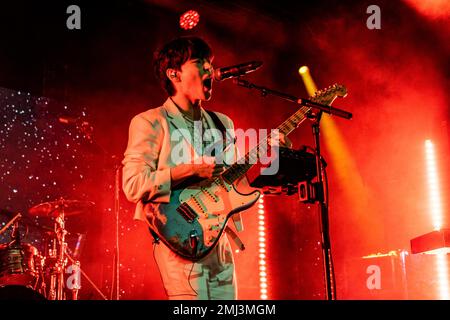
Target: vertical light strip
(433, 185)
(442, 273)
(436, 215)
(262, 250)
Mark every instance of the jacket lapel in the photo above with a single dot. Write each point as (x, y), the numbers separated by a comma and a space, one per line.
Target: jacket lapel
(175, 118)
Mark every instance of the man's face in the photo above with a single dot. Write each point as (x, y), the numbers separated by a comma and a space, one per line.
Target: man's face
(196, 80)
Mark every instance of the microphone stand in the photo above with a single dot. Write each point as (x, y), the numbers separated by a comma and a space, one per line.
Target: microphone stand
(330, 282)
(85, 128)
(116, 212)
(303, 102)
(323, 217)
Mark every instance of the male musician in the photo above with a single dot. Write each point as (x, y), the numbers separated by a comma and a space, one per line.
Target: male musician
(184, 69)
(152, 168)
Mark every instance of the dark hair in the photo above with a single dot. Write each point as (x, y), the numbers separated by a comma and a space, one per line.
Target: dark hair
(174, 54)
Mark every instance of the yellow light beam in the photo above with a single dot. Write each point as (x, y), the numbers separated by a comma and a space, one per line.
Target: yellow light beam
(345, 167)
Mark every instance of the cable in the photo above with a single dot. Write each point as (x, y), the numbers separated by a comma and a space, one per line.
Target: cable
(162, 280)
(189, 279)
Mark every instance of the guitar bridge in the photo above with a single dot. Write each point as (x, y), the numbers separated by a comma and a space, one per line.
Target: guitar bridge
(187, 212)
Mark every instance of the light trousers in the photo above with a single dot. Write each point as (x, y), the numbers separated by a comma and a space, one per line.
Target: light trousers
(211, 278)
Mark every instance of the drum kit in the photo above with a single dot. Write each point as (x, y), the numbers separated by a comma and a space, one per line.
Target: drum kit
(26, 273)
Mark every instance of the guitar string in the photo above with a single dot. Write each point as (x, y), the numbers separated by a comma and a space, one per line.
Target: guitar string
(299, 115)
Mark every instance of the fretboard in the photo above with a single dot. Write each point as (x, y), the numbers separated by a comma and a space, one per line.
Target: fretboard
(240, 167)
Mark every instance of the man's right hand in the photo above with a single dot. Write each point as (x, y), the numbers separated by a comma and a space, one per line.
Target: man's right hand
(206, 169)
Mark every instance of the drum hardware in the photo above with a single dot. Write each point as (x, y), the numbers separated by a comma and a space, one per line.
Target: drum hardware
(77, 263)
(20, 263)
(13, 220)
(54, 208)
(59, 255)
(57, 261)
(26, 274)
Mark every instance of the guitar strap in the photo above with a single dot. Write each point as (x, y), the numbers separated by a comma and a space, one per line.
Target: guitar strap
(219, 124)
(236, 217)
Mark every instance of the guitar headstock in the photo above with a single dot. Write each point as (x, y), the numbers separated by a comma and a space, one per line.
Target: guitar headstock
(327, 96)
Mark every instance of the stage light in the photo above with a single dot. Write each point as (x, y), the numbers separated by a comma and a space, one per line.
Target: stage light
(303, 70)
(433, 185)
(435, 206)
(262, 251)
(307, 80)
(433, 9)
(442, 274)
(189, 19)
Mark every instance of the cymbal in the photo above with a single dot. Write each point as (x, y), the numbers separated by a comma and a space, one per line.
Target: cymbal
(55, 208)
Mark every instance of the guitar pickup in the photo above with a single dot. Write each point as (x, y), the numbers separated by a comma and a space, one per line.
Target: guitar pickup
(187, 212)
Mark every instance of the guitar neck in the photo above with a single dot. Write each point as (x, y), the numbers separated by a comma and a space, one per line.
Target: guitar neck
(240, 167)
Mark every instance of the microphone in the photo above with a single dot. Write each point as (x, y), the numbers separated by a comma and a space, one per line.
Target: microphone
(236, 71)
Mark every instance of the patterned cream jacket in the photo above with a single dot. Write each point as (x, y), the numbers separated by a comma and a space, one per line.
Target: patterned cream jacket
(148, 159)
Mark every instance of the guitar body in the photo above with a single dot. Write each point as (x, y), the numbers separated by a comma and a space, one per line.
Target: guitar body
(193, 221)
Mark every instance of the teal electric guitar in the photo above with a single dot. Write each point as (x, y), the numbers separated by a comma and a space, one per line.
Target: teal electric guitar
(193, 221)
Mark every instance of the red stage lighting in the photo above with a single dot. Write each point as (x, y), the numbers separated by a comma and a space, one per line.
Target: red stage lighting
(189, 19)
(435, 9)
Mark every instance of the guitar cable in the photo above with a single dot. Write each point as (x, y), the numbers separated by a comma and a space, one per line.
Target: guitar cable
(189, 278)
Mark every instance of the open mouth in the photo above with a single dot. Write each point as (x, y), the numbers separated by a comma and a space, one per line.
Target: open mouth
(207, 84)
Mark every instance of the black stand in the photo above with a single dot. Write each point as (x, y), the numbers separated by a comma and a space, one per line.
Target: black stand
(86, 129)
(330, 283)
(324, 223)
(116, 212)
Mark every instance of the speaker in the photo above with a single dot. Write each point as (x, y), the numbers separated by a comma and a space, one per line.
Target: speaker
(375, 277)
